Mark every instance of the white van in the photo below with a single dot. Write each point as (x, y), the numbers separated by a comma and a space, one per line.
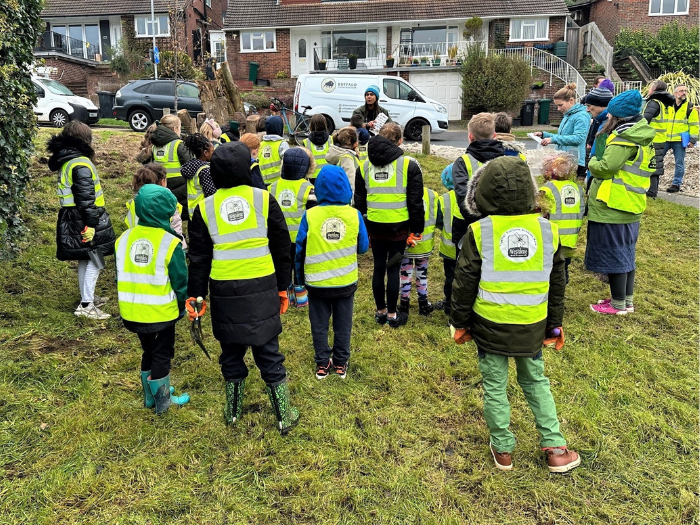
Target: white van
(58, 105)
(337, 95)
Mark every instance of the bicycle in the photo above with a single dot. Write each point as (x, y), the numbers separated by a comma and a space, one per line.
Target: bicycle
(301, 127)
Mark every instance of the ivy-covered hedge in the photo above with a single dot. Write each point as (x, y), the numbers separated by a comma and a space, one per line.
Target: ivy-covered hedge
(673, 48)
(19, 26)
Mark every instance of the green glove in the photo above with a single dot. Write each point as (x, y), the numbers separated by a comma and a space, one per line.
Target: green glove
(88, 234)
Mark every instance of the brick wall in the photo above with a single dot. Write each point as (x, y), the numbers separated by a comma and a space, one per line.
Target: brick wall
(612, 16)
(142, 44)
(270, 62)
(84, 80)
(193, 21)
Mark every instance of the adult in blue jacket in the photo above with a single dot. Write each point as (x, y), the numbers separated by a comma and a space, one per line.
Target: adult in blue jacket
(332, 189)
(573, 130)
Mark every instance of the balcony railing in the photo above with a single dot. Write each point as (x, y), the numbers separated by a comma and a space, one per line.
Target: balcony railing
(51, 41)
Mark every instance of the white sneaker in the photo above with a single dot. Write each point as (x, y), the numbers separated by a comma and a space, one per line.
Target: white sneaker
(91, 311)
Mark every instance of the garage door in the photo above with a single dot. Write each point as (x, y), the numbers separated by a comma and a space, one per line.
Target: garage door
(445, 87)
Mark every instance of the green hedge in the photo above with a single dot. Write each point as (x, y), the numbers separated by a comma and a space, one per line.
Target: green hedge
(673, 48)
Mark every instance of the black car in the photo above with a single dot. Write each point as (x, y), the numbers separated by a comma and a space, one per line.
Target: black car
(141, 102)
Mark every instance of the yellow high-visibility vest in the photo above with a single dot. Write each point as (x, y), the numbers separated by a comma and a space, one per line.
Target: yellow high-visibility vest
(430, 204)
(195, 193)
(386, 191)
(65, 182)
(450, 211)
(167, 156)
(319, 153)
(292, 195)
(569, 208)
(270, 160)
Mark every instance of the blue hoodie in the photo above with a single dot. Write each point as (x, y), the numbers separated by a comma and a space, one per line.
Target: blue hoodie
(332, 189)
(573, 132)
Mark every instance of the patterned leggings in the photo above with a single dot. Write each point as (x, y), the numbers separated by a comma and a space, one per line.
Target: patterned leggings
(421, 278)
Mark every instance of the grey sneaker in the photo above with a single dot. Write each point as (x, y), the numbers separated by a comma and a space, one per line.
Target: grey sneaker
(100, 301)
(91, 311)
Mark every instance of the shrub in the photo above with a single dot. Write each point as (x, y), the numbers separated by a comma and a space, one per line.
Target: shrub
(127, 61)
(283, 74)
(494, 82)
(186, 69)
(673, 48)
(259, 99)
(680, 79)
(20, 25)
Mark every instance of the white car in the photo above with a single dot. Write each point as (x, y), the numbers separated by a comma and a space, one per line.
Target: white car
(337, 95)
(57, 105)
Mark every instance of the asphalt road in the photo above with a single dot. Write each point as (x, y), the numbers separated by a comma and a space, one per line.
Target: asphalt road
(459, 139)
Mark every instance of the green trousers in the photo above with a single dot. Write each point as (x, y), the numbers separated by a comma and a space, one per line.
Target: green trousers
(535, 386)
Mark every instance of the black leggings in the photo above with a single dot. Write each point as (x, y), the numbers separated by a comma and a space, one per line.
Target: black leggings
(158, 351)
(382, 252)
(621, 285)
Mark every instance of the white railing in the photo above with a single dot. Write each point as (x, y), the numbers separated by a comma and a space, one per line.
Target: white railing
(595, 45)
(555, 66)
(627, 86)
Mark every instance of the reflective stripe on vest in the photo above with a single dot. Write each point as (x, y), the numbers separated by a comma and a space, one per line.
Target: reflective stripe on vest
(685, 120)
(626, 191)
(195, 193)
(319, 153)
(224, 138)
(132, 220)
(167, 157)
(331, 246)
(354, 158)
(237, 222)
(569, 208)
(143, 284)
(386, 191)
(65, 182)
(425, 245)
(659, 123)
(292, 196)
(270, 160)
(517, 254)
(471, 164)
(450, 210)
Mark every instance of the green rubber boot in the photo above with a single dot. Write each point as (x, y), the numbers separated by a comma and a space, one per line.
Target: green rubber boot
(287, 416)
(234, 401)
(160, 389)
(148, 400)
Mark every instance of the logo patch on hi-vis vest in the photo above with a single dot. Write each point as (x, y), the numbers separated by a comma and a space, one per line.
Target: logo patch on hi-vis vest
(160, 153)
(570, 195)
(518, 245)
(383, 174)
(287, 198)
(333, 229)
(141, 252)
(234, 210)
(267, 152)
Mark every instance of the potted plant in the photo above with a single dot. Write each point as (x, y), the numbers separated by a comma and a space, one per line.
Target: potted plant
(537, 85)
(389, 61)
(472, 28)
(352, 58)
(452, 54)
(414, 62)
(436, 58)
(423, 61)
(322, 65)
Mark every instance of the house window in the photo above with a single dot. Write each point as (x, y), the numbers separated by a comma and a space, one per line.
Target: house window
(340, 44)
(529, 29)
(82, 41)
(668, 7)
(208, 3)
(263, 40)
(147, 27)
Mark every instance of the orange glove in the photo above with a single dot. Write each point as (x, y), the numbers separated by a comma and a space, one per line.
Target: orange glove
(554, 336)
(191, 305)
(413, 239)
(284, 301)
(460, 335)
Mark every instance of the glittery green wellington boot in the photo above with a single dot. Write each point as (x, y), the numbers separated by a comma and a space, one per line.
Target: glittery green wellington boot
(234, 401)
(287, 416)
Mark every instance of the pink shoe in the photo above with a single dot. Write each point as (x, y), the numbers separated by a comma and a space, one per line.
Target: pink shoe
(630, 309)
(607, 309)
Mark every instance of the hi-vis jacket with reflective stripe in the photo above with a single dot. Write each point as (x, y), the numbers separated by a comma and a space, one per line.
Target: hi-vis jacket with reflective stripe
(430, 203)
(471, 164)
(237, 222)
(132, 219)
(331, 246)
(450, 210)
(195, 193)
(362, 153)
(386, 191)
(319, 153)
(65, 182)
(626, 191)
(270, 160)
(292, 196)
(167, 157)
(658, 122)
(517, 255)
(569, 208)
(681, 121)
(143, 285)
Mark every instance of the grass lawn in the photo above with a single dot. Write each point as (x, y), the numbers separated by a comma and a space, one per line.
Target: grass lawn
(402, 440)
(113, 122)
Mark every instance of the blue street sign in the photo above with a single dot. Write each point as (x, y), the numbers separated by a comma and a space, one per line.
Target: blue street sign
(156, 55)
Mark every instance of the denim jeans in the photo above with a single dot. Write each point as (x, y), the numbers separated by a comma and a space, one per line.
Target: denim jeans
(679, 156)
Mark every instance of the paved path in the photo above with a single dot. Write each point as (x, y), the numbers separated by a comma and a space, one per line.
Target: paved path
(460, 139)
(678, 198)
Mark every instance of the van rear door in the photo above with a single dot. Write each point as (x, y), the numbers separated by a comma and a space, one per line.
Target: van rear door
(395, 100)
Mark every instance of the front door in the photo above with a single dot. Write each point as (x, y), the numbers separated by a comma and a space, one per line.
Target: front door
(302, 56)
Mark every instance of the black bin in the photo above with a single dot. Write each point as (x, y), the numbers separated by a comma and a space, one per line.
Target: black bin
(106, 103)
(527, 113)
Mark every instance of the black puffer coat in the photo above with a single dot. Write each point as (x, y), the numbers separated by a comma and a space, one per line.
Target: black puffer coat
(244, 311)
(382, 152)
(72, 220)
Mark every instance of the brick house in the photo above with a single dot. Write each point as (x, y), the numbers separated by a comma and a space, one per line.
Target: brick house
(79, 36)
(613, 15)
(289, 37)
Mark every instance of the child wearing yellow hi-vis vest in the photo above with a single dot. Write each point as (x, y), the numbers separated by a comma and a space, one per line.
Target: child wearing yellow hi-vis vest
(562, 200)
(152, 173)
(152, 290)
(272, 149)
(329, 239)
(196, 171)
(318, 143)
(418, 256)
(295, 195)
